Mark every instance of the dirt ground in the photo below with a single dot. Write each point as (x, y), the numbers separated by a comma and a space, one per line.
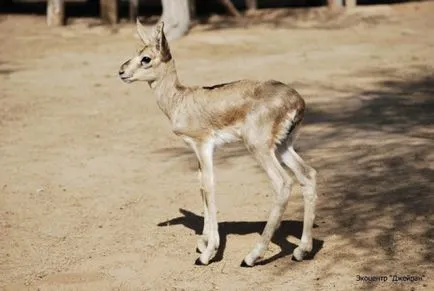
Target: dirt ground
(97, 193)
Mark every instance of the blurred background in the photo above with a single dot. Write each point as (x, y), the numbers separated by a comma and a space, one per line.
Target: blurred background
(97, 193)
(113, 11)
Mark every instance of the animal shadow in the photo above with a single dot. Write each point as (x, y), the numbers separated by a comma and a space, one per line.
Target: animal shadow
(289, 227)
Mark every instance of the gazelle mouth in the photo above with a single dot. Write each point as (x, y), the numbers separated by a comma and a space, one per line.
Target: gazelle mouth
(126, 79)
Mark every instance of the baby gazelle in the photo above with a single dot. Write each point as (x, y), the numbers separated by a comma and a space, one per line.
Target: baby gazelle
(264, 115)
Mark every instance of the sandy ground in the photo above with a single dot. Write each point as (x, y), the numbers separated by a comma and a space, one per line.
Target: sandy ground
(96, 193)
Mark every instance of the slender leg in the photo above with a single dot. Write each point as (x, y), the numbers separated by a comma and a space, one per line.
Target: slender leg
(306, 175)
(203, 240)
(282, 186)
(205, 156)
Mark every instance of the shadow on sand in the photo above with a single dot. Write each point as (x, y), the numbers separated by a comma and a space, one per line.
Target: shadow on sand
(287, 228)
(374, 154)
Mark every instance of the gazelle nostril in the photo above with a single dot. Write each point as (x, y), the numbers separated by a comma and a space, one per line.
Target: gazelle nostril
(121, 72)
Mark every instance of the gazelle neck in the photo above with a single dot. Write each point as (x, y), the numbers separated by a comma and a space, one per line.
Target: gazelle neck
(168, 89)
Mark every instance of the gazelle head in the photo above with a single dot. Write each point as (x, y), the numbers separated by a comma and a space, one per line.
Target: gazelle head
(150, 62)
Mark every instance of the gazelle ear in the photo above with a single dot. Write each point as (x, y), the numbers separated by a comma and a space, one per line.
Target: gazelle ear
(161, 43)
(141, 31)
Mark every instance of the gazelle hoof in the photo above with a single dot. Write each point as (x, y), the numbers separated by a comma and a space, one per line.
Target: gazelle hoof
(198, 262)
(298, 254)
(244, 265)
(201, 245)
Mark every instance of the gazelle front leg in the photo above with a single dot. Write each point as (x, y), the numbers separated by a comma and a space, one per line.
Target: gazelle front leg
(202, 242)
(204, 152)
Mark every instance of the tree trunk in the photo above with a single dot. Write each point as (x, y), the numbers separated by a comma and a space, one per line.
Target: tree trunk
(335, 3)
(109, 11)
(55, 13)
(134, 8)
(252, 4)
(350, 3)
(192, 4)
(230, 7)
(176, 17)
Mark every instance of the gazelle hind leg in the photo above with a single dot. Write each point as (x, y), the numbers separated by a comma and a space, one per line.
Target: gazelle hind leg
(281, 183)
(306, 176)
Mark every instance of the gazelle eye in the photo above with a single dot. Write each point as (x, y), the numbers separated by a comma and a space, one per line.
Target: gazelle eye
(146, 60)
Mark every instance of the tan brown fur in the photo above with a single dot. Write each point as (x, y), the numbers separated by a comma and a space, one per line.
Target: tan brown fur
(230, 116)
